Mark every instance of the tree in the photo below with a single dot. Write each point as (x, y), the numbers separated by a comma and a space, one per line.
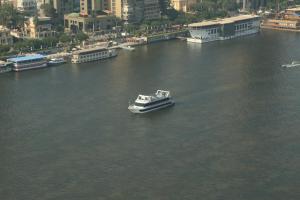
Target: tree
(9, 16)
(64, 38)
(81, 36)
(4, 49)
(49, 10)
(172, 13)
(36, 20)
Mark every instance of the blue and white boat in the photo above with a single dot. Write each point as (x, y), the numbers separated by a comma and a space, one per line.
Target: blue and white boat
(143, 103)
(30, 61)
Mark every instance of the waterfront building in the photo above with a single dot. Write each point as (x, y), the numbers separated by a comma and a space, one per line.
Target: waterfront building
(75, 22)
(115, 7)
(92, 54)
(293, 25)
(40, 27)
(128, 10)
(290, 21)
(151, 9)
(63, 7)
(87, 7)
(5, 36)
(26, 62)
(182, 5)
(222, 29)
(28, 6)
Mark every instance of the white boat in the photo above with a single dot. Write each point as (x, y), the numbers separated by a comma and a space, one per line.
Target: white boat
(143, 103)
(92, 54)
(130, 48)
(56, 61)
(293, 64)
(223, 29)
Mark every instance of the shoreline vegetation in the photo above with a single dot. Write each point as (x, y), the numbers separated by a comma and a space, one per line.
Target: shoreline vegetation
(171, 21)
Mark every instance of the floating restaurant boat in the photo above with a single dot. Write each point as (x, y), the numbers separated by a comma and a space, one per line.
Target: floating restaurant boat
(31, 61)
(293, 64)
(223, 29)
(92, 54)
(57, 61)
(143, 104)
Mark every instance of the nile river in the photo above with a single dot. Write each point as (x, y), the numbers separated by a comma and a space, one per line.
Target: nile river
(234, 133)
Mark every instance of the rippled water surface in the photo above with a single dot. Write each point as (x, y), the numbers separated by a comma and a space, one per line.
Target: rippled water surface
(234, 133)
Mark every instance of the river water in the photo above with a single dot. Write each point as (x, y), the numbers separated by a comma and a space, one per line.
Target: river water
(234, 133)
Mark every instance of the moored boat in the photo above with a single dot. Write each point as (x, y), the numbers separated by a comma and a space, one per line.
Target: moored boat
(92, 54)
(56, 61)
(130, 48)
(223, 29)
(147, 103)
(30, 61)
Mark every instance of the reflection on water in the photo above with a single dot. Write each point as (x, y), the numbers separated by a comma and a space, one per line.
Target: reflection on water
(66, 132)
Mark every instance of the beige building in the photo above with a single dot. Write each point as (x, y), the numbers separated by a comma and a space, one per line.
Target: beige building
(182, 5)
(88, 6)
(5, 36)
(40, 28)
(75, 22)
(115, 7)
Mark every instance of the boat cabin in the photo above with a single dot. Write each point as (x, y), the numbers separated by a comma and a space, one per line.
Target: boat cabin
(143, 99)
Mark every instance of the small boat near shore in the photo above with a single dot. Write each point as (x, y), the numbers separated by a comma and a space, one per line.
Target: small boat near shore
(56, 61)
(147, 103)
(293, 64)
(130, 48)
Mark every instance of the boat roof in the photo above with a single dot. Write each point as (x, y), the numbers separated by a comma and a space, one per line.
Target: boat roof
(89, 50)
(26, 58)
(228, 20)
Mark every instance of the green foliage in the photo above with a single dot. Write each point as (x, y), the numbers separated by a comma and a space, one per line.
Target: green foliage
(49, 10)
(81, 36)
(36, 20)
(4, 49)
(64, 38)
(214, 9)
(9, 16)
(172, 13)
(130, 28)
(35, 44)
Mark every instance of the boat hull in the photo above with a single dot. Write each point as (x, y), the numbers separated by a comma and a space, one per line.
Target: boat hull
(290, 65)
(56, 63)
(17, 69)
(136, 109)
